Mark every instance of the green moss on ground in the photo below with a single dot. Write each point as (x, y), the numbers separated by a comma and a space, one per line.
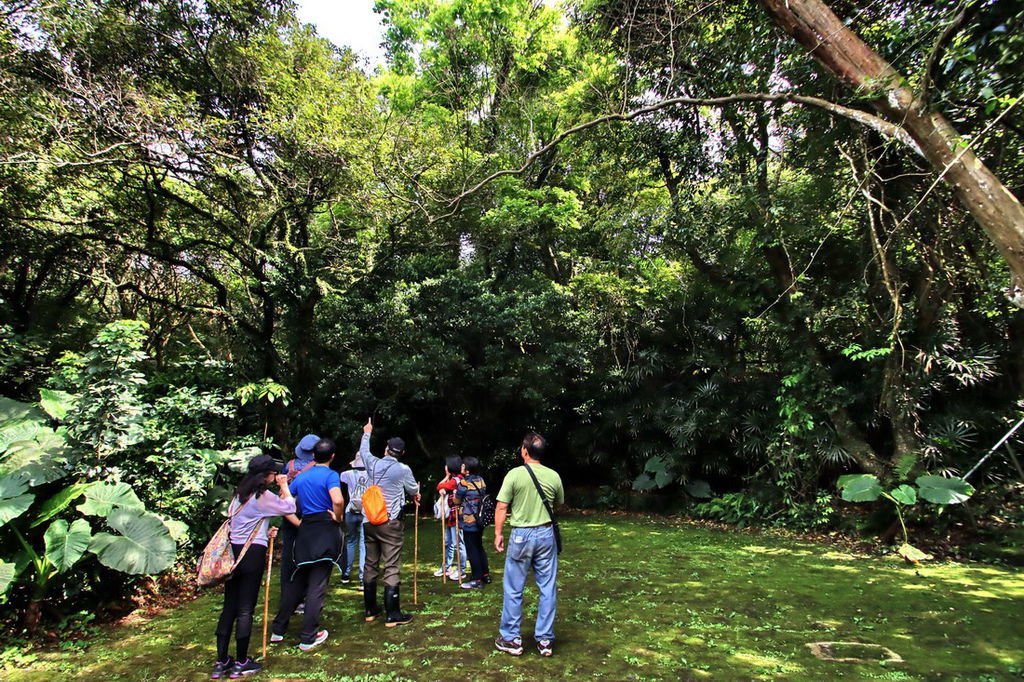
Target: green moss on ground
(639, 599)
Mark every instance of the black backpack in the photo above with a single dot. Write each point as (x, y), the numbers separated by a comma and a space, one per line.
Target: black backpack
(485, 512)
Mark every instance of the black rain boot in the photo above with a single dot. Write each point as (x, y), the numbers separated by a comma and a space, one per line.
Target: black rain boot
(370, 601)
(394, 611)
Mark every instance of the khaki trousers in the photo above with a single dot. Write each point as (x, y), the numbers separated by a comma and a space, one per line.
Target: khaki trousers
(383, 543)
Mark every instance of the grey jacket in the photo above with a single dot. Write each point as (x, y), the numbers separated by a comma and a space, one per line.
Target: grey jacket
(393, 477)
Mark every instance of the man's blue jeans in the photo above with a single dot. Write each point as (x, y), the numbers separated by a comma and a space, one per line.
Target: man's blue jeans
(354, 531)
(530, 548)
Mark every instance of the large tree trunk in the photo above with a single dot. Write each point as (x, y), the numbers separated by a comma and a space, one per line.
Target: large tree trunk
(812, 24)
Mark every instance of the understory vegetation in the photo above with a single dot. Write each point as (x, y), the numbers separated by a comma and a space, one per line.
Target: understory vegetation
(720, 269)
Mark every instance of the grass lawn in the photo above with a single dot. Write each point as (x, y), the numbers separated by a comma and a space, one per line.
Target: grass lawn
(639, 599)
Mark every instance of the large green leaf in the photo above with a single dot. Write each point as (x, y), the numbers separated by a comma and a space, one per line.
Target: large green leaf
(144, 545)
(13, 507)
(59, 502)
(699, 489)
(38, 461)
(643, 482)
(16, 430)
(859, 487)
(655, 465)
(65, 545)
(8, 573)
(177, 529)
(942, 490)
(12, 486)
(912, 554)
(101, 498)
(904, 494)
(57, 404)
(14, 501)
(12, 409)
(238, 460)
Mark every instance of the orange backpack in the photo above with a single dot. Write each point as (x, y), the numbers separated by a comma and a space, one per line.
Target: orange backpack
(375, 508)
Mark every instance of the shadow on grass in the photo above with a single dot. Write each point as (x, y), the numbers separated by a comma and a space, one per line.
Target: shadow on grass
(639, 599)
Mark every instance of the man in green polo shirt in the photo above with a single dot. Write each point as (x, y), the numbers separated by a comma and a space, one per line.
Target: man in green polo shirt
(531, 545)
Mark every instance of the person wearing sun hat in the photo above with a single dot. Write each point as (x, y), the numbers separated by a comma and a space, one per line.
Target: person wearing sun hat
(303, 456)
(302, 462)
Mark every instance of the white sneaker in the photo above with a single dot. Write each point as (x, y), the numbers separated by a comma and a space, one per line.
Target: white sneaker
(455, 575)
(274, 639)
(438, 573)
(321, 637)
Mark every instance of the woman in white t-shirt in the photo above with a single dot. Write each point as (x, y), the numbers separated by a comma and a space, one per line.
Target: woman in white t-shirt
(353, 485)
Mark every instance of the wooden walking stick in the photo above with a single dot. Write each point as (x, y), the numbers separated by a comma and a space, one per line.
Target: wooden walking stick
(444, 545)
(458, 542)
(415, 554)
(266, 592)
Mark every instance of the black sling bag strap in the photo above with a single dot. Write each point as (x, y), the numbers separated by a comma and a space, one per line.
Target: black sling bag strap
(554, 523)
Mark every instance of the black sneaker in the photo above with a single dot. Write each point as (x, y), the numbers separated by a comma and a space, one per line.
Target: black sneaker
(486, 579)
(243, 668)
(345, 578)
(515, 647)
(222, 668)
(544, 647)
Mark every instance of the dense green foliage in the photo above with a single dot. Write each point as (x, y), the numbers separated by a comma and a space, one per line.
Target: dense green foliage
(104, 452)
(219, 231)
(715, 605)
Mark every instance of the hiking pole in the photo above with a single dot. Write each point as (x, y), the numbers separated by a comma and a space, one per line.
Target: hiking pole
(415, 553)
(266, 592)
(444, 547)
(458, 542)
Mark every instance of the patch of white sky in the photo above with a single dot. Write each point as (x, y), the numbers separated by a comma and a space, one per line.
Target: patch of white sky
(352, 24)
(347, 23)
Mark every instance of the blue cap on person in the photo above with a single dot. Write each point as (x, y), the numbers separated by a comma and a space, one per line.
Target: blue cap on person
(304, 450)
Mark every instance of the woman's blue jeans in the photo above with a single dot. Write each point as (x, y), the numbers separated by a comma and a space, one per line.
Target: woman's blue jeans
(449, 548)
(353, 536)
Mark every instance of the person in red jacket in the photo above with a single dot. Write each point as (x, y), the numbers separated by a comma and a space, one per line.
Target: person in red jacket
(452, 531)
